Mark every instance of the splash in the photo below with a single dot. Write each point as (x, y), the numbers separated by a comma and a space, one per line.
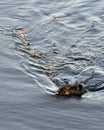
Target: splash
(96, 96)
(41, 80)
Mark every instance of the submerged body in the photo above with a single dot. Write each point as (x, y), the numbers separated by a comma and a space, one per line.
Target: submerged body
(90, 79)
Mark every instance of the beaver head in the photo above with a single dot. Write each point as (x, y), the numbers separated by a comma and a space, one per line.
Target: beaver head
(71, 90)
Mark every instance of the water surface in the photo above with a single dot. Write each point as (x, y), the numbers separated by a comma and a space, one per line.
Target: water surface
(69, 35)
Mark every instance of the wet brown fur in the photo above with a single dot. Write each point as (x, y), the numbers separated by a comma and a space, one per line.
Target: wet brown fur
(71, 90)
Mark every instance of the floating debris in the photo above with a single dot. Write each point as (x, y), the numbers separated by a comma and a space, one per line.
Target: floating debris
(22, 31)
(19, 31)
(56, 16)
(33, 54)
(24, 40)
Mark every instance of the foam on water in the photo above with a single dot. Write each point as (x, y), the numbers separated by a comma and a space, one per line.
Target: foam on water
(96, 96)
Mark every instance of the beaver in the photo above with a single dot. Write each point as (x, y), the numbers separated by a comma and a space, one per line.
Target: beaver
(90, 79)
(71, 90)
(76, 90)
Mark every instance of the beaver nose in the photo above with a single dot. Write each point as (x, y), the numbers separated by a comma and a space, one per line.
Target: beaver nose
(67, 93)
